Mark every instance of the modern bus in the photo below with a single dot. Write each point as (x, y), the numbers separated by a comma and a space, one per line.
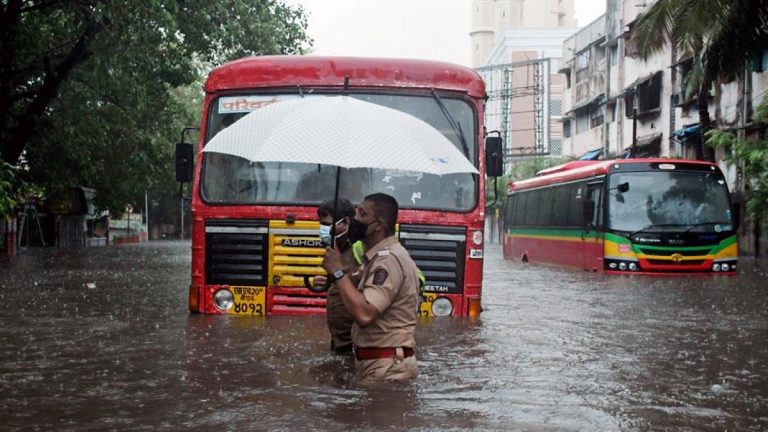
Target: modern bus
(627, 216)
(254, 225)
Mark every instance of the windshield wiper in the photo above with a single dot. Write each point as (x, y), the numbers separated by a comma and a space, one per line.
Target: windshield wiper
(452, 122)
(700, 224)
(687, 230)
(656, 226)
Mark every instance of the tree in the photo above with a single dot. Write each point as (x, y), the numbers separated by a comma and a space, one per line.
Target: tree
(720, 36)
(754, 154)
(95, 92)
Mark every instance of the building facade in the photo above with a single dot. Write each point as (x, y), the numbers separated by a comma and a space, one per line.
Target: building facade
(618, 105)
(517, 45)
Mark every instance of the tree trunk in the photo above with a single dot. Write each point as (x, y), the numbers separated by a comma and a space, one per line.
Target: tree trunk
(705, 123)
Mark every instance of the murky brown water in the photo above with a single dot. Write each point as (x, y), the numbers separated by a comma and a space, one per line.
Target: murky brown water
(100, 338)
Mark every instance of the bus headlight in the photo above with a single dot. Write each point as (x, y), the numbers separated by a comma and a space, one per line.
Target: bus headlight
(622, 266)
(632, 266)
(725, 267)
(223, 299)
(442, 306)
(477, 238)
(716, 267)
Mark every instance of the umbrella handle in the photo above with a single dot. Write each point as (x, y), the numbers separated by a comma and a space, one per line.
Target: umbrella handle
(315, 288)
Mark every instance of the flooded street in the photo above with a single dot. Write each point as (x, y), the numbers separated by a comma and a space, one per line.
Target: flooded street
(100, 338)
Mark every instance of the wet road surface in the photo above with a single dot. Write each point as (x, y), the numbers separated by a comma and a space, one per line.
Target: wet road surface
(100, 338)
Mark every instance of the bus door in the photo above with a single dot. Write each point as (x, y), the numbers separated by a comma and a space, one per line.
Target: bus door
(592, 229)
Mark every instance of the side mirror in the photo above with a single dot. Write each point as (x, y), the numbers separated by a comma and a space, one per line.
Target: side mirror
(623, 187)
(185, 162)
(494, 156)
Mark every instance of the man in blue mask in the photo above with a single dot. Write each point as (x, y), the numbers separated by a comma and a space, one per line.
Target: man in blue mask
(338, 319)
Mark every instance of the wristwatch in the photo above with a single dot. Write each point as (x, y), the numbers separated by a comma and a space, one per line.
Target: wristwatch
(338, 274)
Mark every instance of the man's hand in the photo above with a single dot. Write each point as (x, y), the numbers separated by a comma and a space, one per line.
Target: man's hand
(332, 260)
(319, 281)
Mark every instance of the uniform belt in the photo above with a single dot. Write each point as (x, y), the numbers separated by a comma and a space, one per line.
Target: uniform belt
(368, 353)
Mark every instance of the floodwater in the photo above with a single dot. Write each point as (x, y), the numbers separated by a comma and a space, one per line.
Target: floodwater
(100, 339)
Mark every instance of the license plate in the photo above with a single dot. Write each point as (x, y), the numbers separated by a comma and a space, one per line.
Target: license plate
(425, 309)
(249, 300)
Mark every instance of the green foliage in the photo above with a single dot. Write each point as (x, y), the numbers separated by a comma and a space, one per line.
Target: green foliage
(114, 116)
(8, 189)
(719, 35)
(754, 155)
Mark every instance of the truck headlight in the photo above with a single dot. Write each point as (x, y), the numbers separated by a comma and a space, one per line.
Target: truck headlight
(442, 306)
(223, 299)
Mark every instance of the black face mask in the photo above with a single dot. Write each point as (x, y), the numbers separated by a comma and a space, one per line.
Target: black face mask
(357, 230)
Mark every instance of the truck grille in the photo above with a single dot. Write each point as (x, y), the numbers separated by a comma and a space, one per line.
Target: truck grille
(439, 252)
(296, 252)
(236, 252)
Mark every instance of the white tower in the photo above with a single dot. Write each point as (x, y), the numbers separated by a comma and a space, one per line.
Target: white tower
(490, 18)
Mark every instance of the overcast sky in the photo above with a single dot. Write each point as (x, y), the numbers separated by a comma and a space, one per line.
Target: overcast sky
(428, 29)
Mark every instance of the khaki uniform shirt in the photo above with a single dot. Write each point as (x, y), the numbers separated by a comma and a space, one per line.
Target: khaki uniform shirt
(390, 284)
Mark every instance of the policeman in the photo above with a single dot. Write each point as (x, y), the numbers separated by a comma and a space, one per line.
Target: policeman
(338, 319)
(383, 303)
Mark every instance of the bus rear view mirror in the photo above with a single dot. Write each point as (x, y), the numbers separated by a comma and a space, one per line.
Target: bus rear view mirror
(185, 162)
(494, 156)
(623, 187)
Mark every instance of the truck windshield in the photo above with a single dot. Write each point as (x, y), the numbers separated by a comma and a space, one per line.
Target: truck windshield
(668, 201)
(232, 180)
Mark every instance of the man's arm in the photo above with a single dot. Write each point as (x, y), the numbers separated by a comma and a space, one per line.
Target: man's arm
(354, 301)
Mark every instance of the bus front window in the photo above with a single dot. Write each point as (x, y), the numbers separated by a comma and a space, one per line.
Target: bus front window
(228, 179)
(669, 201)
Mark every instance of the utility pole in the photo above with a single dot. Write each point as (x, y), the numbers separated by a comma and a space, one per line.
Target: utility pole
(634, 123)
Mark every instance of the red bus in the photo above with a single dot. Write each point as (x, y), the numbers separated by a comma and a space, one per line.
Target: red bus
(641, 216)
(254, 229)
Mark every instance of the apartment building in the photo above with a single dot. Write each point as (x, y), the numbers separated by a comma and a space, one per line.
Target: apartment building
(616, 104)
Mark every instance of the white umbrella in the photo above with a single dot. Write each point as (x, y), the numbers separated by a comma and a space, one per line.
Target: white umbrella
(340, 131)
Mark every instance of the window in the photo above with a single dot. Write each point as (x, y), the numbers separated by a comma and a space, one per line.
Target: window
(582, 59)
(575, 206)
(567, 128)
(596, 116)
(648, 94)
(614, 55)
(582, 122)
(532, 208)
(560, 212)
(545, 207)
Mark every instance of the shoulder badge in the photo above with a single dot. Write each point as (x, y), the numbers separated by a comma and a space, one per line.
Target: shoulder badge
(380, 276)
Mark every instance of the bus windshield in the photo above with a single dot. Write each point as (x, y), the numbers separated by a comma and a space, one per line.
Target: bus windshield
(229, 179)
(665, 201)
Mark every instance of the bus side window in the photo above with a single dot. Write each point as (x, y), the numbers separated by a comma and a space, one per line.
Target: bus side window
(532, 201)
(545, 207)
(509, 210)
(560, 206)
(575, 205)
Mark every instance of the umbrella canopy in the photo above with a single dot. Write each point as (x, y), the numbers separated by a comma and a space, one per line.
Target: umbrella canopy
(341, 131)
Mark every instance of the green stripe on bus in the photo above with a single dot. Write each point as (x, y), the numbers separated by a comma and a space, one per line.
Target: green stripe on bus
(711, 249)
(554, 234)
